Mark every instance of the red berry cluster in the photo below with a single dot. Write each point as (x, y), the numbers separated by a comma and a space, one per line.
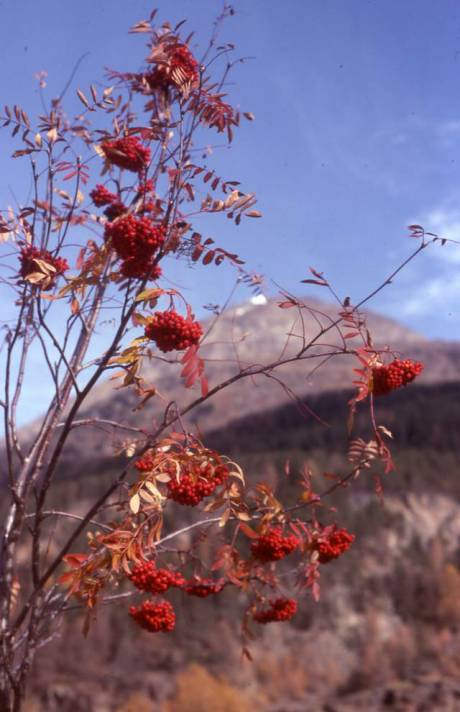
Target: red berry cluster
(127, 152)
(27, 258)
(144, 464)
(136, 240)
(273, 546)
(146, 577)
(195, 484)
(397, 374)
(154, 617)
(101, 196)
(178, 68)
(333, 545)
(203, 587)
(171, 331)
(280, 609)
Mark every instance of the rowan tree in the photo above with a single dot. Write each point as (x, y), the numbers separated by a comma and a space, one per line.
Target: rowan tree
(117, 190)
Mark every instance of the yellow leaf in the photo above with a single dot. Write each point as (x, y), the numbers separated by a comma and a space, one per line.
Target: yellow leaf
(243, 516)
(163, 477)
(148, 497)
(130, 449)
(148, 294)
(224, 518)
(135, 503)
(44, 266)
(83, 98)
(35, 277)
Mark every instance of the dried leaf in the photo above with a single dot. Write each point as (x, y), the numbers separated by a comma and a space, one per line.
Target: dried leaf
(83, 98)
(162, 477)
(250, 533)
(135, 503)
(224, 518)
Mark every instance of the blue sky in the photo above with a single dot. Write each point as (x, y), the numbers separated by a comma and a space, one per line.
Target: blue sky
(357, 133)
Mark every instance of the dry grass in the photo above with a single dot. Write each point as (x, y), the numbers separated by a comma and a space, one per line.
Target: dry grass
(197, 690)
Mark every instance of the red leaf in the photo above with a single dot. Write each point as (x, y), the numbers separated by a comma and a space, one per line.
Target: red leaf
(81, 258)
(209, 256)
(204, 386)
(196, 254)
(321, 283)
(250, 533)
(319, 275)
(351, 334)
(190, 353)
(75, 560)
(190, 380)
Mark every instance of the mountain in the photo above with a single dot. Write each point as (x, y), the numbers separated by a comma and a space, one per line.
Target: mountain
(252, 334)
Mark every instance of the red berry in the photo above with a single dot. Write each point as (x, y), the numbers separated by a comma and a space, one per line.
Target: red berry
(101, 196)
(136, 240)
(195, 483)
(280, 609)
(146, 577)
(127, 152)
(171, 331)
(144, 464)
(397, 374)
(333, 544)
(273, 546)
(27, 257)
(192, 483)
(154, 617)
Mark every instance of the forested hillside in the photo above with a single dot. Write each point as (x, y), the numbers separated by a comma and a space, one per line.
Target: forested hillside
(385, 632)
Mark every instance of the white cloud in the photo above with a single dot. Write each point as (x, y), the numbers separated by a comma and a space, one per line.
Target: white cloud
(432, 296)
(435, 287)
(259, 299)
(445, 222)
